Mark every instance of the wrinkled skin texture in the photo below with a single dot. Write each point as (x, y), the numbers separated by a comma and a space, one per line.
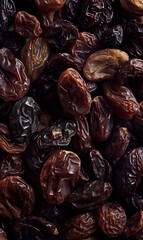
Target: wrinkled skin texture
(7, 11)
(111, 218)
(121, 100)
(24, 119)
(2, 235)
(134, 224)
(59, 176)
(82, 140)
(82, 225)
(103, 64)
(73, 93)
(90, 195)
(129, 172)
(131, 69)
(27, 25)
(101, 119)
(60, 33)
(113, 37)
(133, 6)
(17, 198)
(34, 55)
(52, 5)
(83, 46)
(14, 82)
(57, 134)
(100, 167)
(117, 144)
(7, 143)
(35, 227)
(11, 165)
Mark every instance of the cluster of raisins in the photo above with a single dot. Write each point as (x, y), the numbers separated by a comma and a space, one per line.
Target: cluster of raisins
(71, 119)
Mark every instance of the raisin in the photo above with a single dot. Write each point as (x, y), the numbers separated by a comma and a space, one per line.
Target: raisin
(100, 167)
(82, 225)
(129, 172)
(113, 37)
(103, 64)
(14, 82)
(24, 119)
(34, 55)
(27, 25)
(73, 93)
(117, 144)
(90, 195)
(111, 218)
(55, 185)
(52, 5)
(133, 6)
(133, 204)
(7, 11)
(121, 99)
(3, 235)
(138, 122)
(60, 33)
(101, 119)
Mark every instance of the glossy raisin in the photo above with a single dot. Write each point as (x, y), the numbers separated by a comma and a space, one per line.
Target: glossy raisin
(73, 93)
(101, 119)
(113, 37)
(55, 185)
(111, 218)
(121, 99)
(7, 11)
(24, 119)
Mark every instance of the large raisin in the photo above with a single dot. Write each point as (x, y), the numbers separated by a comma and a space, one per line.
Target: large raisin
(14, 83)
(103, 64)
(90, 195)
(34, 55)
(27, 25)
(82, 225)
(111, 218)
(24, 119)
(60, 33)
(73, 93)
(121, 99)
(129, 172)
(59, 176)
(17, 197)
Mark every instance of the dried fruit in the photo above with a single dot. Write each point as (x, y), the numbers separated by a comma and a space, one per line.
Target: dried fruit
(103, 64)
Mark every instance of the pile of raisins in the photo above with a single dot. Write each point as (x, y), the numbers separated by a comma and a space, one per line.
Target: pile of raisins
(71, 119)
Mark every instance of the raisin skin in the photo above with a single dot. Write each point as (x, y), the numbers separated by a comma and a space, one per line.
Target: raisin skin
(24, 119)
(14, 82)
(27, 25)
(138, 122)
(73, 93)
(17, 196)
(89, 195)
(50, 6)
(113, 37)
(3, 235)
(100, 167)
(52, 178)
(7, 11)
(111, 218)
(121, 100)
(80, 226)
(82, 140)
(103, 64)
(128, 172)
(101, 119)
(34, 55)
(117, 144)
(133, 204)
(60, 33)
